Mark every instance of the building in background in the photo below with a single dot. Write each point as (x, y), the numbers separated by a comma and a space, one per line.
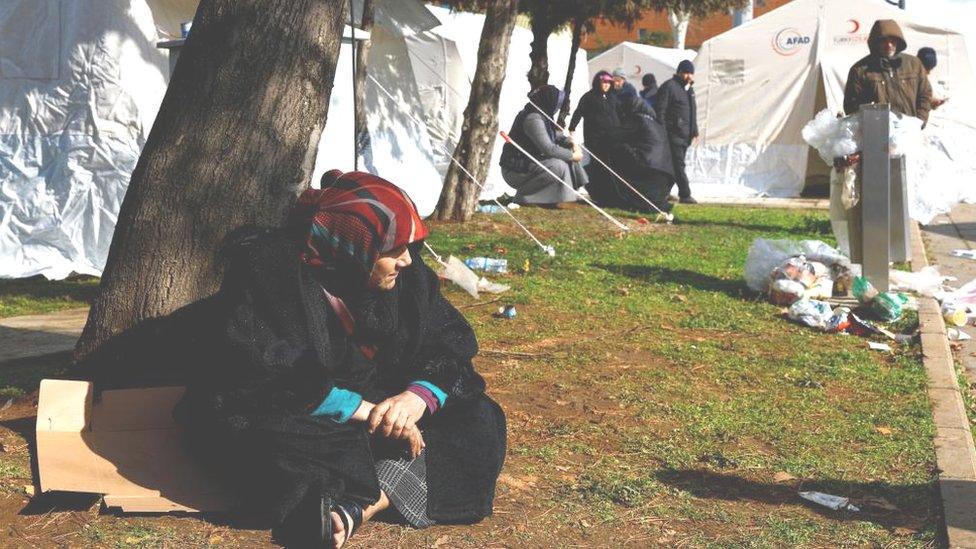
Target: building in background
(653, 28)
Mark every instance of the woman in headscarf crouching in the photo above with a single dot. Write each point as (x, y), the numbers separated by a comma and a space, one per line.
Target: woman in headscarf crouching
(342, 383)
(642, 158)
(538, 136)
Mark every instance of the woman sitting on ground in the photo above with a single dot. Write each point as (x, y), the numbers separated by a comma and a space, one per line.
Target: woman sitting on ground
(342, 384)
(537, 135)
(643, 159)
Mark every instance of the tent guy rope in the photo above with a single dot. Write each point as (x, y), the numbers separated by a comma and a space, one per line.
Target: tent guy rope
(567, 185)
(548, 249)
(668, 217)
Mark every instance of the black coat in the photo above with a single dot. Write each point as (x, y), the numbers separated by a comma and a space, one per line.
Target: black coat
(677, 110)
(277, 353)
(645, 146)
(600, 113)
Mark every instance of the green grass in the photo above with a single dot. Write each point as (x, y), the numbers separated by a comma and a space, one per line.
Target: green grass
(653, 398)
(720, 387)
(36, 295)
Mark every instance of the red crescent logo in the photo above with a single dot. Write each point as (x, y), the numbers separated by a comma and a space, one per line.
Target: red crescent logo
(857, 26)
(637, 70)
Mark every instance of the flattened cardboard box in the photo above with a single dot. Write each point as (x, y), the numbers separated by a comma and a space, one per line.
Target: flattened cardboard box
(126, 446)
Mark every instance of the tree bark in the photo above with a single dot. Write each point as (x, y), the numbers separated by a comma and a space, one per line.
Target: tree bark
(679, 27)
(539, 71)
(480, 127)
(233, 144)
(568, 87)
(362, 55)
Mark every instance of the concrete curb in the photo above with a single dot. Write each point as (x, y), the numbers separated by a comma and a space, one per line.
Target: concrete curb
(955, 453)
(778, 203)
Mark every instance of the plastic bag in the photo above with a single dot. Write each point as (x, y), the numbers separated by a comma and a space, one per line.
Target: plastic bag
(457, 272)
(796, 269)
(767, 254)
(811, 312)
(823, 289)
(485, 285)
(863, 290)
(889, 306)
(786, 292)
(839, 320)
(926, 282)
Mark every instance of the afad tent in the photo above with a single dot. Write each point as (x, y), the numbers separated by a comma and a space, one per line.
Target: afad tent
(639, 59)
(759, 84)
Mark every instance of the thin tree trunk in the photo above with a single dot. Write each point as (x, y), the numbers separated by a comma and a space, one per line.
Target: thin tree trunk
(362, 55)
(233, 144)
(571, 71)
(478, 131)
(679, 27)
(539, 71)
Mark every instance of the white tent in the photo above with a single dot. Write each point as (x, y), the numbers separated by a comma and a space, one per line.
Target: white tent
(457, 33)
(639, 59)
(81, 83)
(760, 83)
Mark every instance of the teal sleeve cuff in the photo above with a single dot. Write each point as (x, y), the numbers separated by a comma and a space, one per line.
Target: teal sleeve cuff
(340, 404)
(440, 395)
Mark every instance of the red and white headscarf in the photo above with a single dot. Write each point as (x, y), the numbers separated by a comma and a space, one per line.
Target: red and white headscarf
(358, 215)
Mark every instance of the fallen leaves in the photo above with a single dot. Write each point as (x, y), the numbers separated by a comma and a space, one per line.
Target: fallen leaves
(524, 483)
(783, 476)
(886, 431)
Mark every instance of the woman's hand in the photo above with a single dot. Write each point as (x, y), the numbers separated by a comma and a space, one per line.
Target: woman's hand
(415, 441)
(397, 416)
(577, 155)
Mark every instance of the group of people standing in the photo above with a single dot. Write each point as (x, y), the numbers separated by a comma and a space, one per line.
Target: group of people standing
(642, 136)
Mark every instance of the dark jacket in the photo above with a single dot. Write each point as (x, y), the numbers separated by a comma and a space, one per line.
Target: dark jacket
(626, 92)
(599, 111)
(279, 350)
(900, 81)
(677, 110)
(644, 143)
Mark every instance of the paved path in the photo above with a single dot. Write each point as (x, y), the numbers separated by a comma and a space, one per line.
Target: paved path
(954, 231)
(39, 335)
(955, 452)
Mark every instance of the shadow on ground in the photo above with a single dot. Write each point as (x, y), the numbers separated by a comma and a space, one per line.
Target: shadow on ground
(888, 505)
(664, 275)
(810, 226)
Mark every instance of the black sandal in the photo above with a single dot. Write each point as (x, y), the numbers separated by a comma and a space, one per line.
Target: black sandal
(308, 525)
(351, 515)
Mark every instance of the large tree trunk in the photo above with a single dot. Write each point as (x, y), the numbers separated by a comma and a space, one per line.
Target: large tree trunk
(539, 71)
(478, 132)
(568, 86)
(233, 144)
(362, 55)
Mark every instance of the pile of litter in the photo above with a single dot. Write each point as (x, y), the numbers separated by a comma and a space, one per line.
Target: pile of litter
(815, 281)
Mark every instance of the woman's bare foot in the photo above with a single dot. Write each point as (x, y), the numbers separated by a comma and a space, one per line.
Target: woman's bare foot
(338, 531)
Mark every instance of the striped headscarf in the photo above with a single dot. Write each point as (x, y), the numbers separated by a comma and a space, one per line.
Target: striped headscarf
(357, 216)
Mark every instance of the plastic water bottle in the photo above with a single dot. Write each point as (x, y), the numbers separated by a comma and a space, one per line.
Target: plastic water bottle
(487, 264)
(490, 209)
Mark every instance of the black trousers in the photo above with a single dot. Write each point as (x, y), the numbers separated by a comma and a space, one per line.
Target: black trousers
(678, 151)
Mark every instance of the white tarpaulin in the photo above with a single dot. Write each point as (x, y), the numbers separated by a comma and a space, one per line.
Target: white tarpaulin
(80, 84)
(760, 83)
(639, 59)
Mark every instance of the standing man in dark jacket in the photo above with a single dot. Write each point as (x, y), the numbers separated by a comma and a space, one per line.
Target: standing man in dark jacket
(887, 75)
(677, 110)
